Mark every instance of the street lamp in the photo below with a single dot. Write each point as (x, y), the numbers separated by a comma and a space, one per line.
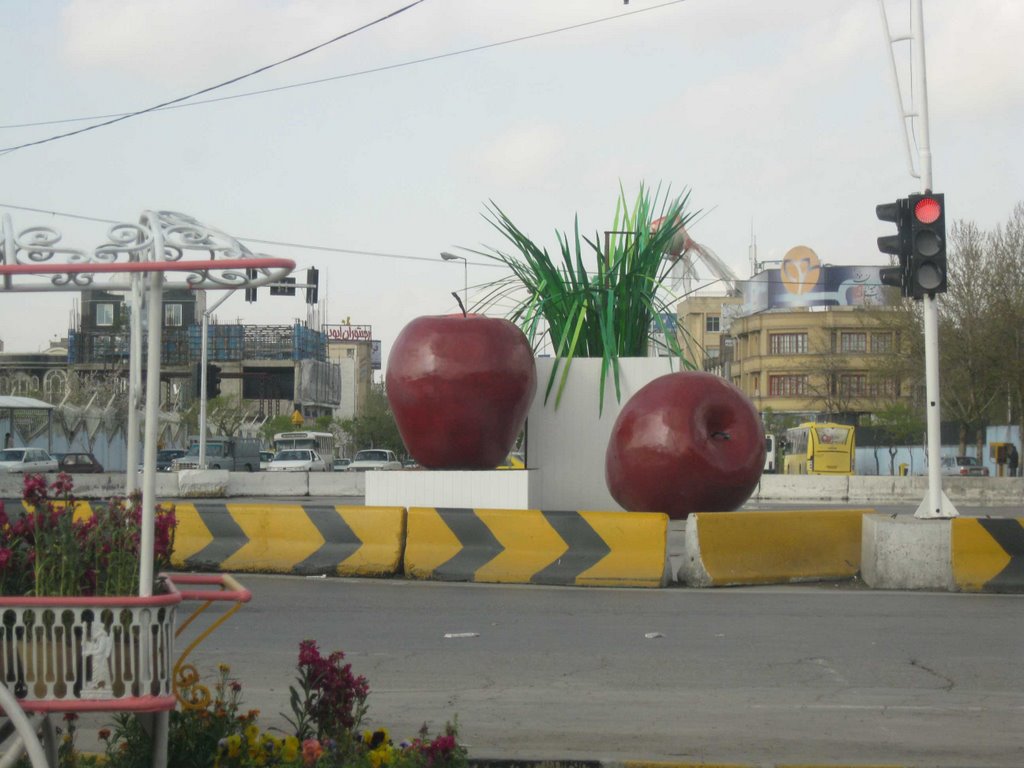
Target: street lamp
(465, 273)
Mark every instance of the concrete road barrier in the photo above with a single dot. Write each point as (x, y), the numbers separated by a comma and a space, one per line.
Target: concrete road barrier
(988, 554)
(626, 549)
(307, 539)
(733, 548)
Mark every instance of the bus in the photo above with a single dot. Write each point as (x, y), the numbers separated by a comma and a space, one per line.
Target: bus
(769, 453)
(819, 448)
(321, 442)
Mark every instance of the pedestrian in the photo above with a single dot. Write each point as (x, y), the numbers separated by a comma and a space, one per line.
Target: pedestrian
(1011, 460)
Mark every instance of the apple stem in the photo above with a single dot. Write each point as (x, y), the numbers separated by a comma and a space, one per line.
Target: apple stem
(722, 435)
(456, 295)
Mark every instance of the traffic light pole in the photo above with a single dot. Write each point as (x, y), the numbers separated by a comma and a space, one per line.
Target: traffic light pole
(936, 504)
(204, 354)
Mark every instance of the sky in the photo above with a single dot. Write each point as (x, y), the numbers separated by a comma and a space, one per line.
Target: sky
(778, 116)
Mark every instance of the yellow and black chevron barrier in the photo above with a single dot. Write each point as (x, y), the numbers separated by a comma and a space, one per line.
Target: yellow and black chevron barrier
(988, 554)
(308, 539)
(620, 549)
(777, 547)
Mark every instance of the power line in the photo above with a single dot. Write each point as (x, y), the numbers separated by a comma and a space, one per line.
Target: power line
(8, 150)
(358, 73)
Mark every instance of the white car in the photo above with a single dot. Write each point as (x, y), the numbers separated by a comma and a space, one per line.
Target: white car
(265, 458)
(26, 460)
(297, 460)
(373, 459)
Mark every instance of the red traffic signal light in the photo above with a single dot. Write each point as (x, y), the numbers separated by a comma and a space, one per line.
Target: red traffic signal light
(927, 269)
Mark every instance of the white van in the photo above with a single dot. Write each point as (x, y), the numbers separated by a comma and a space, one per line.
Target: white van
(769, 454)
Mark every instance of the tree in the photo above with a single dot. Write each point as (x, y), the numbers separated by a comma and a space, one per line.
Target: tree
(375, 427)
(1006, 244)
(970, 361)
(271, 427)
(227, 413)
(901, 425)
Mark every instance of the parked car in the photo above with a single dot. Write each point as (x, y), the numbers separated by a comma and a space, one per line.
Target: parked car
(165, 459)
(964, 466)
(79, 463)
(297, 460)
(341, 464)
(373, 459)
(265, 458)
(26, 460)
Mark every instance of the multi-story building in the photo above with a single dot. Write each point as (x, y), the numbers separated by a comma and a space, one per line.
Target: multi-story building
(354, 350)
(821, 348)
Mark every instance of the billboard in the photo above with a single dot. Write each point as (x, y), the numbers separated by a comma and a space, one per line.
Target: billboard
(348, 333)
(802, 281)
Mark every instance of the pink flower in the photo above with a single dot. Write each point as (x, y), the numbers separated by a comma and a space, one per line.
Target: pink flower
(311, 751)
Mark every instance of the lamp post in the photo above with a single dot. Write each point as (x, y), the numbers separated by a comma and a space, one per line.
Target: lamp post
(465, 273)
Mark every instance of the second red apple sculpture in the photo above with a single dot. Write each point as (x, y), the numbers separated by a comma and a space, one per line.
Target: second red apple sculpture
(686, 442)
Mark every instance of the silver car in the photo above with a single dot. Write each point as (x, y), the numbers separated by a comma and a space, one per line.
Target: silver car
(25, 460)
(297, 460)
(374, 459)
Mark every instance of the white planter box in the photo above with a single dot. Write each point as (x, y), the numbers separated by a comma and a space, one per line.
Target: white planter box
(566, 445)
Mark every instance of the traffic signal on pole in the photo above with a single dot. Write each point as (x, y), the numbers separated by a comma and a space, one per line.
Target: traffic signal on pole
(284, 287)
(927, 270)
(212, 381)
(250, 293)
(312, 285)
(896, 245)
(197, 379)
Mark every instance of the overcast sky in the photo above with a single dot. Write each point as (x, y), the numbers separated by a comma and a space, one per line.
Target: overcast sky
(776, 114)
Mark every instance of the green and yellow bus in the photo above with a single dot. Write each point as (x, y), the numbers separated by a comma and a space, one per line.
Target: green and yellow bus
(816, 448)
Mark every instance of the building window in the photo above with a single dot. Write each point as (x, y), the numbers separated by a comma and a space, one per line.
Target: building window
(853, 342)
(712, 323)
(104, 315)
(172, 314)
(787, 386)
(881, 342)
(860, 385)
(853, 384)
(788, 343)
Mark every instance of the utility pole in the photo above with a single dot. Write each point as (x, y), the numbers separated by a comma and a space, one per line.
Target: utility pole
(935, 505)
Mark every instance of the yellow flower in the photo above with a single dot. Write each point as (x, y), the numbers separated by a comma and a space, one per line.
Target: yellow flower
(290, 751)
(234, 745)
(252, 734)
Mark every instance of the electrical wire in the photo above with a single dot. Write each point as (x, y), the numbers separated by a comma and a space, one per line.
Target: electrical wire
(347, 75)
(350, 33)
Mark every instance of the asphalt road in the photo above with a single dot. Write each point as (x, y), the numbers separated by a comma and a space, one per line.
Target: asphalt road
(826, 673)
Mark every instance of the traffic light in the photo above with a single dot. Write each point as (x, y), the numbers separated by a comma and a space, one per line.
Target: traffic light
(197, 379)
(926, 273)
(896, 245)
(250, 293)
(212, 381)
(312, 285)
(284, 287)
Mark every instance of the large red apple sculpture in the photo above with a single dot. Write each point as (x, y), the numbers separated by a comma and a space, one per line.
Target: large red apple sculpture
(686, 442)
(460, 387)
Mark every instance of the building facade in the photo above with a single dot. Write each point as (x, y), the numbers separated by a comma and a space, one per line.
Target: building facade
(822, 348)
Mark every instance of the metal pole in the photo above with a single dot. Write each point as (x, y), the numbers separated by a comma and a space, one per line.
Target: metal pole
(134, 385)
(465, 274)
(935, 505)
(204, 356)
(155, 299)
